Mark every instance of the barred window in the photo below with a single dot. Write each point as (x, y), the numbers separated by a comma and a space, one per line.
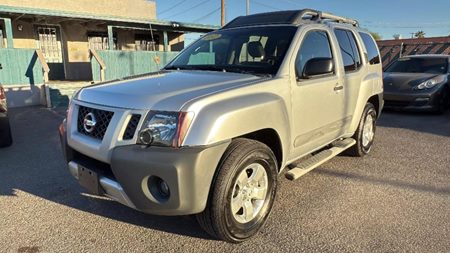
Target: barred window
(145, 42)
(1, 37)
(99, 41)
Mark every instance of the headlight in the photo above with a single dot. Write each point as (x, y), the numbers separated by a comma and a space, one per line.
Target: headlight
(428, 84)
(165, 128)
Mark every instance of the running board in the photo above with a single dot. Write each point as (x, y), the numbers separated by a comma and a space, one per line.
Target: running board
(318, 159)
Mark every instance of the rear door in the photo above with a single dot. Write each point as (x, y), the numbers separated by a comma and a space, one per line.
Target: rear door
(351, 59)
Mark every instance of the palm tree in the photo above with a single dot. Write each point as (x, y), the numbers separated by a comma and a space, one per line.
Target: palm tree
(419, 34)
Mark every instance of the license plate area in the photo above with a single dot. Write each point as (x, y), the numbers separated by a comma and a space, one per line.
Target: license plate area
(89, 180)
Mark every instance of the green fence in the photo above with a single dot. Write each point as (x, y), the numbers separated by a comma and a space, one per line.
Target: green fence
(127, 63)
(20, 66)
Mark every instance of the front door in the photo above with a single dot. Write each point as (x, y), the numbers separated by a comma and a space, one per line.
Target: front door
(317, 102)
(51, 46)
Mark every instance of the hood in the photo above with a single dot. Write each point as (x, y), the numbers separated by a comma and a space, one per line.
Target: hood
(404, 81)
(168, 90)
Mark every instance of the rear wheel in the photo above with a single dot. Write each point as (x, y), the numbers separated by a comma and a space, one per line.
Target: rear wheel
(242, 193)
(5, 132)
(365, 133)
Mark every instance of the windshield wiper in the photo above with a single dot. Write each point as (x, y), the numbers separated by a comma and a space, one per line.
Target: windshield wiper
(217, 68)
(196, 67)
(248, 72)
(176, 67)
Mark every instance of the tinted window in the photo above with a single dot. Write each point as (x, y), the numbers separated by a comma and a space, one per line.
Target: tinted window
(349, 49)
(315, 45)
(372, 49)
(419, 65)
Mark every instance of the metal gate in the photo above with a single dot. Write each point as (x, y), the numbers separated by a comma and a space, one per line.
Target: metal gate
(51, 46)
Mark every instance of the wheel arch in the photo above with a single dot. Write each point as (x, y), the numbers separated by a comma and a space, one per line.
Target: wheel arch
(269, 137)
(377, 101)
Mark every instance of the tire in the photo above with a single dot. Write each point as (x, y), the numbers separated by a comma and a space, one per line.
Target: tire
(444, 102)
(363, 146)
(5, 133)
(222, 217)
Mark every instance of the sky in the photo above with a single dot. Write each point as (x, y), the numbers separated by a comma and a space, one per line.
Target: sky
(386, 17)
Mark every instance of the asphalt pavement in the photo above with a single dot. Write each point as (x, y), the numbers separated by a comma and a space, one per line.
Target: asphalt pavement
(397, 199)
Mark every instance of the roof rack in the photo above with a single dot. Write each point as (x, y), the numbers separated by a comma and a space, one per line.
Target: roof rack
(288, 17)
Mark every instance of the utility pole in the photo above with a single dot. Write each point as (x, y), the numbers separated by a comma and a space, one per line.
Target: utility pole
(222, 19)
(248, 7)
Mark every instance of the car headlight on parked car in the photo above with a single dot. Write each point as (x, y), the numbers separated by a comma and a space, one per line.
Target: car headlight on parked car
(428, 84)
(166, 129)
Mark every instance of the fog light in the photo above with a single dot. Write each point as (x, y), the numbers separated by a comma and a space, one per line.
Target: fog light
(164, 188)
(159, 189)
(146, 136)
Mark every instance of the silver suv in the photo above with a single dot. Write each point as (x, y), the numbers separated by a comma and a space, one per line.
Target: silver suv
(210, 133)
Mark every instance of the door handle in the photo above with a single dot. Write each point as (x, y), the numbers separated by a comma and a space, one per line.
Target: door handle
(338, 87)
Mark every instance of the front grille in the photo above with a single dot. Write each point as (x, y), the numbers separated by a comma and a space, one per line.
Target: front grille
(131, 127)
(102, 119)
(394, 103)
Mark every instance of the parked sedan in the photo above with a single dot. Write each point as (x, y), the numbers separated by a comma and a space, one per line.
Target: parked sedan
(420, 82)
(5, 130)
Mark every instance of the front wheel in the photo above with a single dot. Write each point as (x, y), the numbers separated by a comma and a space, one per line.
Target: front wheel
(444, 102)
(365, 133)
(5, 132)
(242, 193)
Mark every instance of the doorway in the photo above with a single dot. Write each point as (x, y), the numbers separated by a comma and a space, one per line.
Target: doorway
(49, 39)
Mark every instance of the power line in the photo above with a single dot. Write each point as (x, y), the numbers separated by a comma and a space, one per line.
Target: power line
(267, 6)
(207, 15)
(172, 7)
(406, 27)
(291, 2)
(193, 7)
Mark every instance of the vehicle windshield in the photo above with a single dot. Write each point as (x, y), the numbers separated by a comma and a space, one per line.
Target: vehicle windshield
(258, 51)
(419, 65)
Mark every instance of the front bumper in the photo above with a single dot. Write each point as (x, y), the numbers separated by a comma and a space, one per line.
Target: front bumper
(188, 173)
(420, 101)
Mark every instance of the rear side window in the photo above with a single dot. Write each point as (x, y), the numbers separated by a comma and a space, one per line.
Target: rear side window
(372, 49)
(316, 44)
(349, 49)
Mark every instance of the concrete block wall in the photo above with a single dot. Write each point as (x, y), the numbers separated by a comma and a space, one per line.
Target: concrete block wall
(138, 9)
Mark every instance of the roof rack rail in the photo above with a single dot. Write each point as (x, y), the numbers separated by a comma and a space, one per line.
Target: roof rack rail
(335, 18)
(288, 17)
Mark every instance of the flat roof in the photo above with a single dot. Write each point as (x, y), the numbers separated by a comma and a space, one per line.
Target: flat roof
(190, 27)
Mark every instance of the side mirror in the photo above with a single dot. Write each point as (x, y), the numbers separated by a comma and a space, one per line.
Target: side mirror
(317, 66)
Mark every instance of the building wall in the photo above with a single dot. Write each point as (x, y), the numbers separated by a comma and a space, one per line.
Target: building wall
(138, 9)
(25, 38)
(176, 41)
(392, 49)
(75, 45)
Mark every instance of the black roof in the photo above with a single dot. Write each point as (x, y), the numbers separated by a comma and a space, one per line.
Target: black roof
(294, 17)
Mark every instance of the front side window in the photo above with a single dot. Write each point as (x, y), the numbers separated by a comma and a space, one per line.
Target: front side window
(245, 50)
(349, 49)
(316, 44)
(438, 65)
(371, 47)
